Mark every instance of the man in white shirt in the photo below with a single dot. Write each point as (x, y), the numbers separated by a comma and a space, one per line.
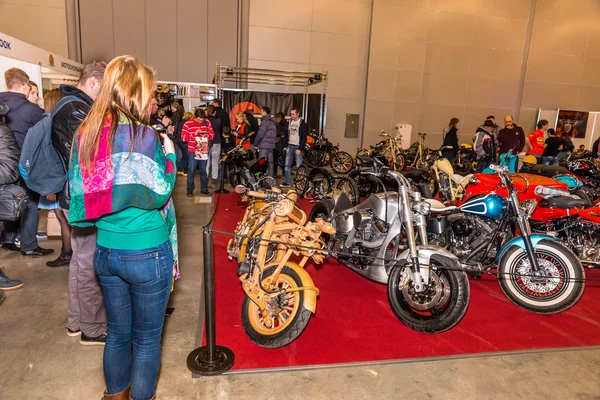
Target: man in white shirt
(296, 143)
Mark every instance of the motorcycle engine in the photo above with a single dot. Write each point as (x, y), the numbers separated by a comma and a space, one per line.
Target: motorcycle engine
(368, 228)
(469, 232)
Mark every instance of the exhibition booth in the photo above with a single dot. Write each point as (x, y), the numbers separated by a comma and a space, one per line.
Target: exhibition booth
(48, 70)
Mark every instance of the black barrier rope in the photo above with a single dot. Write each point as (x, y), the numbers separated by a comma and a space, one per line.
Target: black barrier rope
(340, 253)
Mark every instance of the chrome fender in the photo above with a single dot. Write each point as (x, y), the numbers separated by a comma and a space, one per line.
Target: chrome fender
(519, 241)
(310, 295)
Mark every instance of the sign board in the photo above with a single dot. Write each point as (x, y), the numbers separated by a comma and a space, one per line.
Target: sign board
(352, 121)
(14, 48)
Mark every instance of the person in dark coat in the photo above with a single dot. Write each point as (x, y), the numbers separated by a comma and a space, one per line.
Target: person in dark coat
(266, 137)
(252, 121)
(450, 146)
(221, 114)
(280, 141)
(21, 116)
(9, 173)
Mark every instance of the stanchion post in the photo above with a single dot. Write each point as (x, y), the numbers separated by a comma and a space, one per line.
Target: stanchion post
(222, 189)
(210, 359)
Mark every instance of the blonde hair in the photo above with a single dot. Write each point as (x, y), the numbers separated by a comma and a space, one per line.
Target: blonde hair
(127, 90)
(51, 97)
(15, 78)
(242, 116)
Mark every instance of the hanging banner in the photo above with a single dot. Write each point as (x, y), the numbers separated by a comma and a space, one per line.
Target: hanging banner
(572, 123)
(14, 48)
(240, 101)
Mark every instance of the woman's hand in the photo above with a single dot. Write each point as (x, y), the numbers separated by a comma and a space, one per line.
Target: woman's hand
(51, 197)
(168, 144)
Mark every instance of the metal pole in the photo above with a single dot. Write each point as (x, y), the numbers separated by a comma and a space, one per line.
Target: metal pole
(209, 292)
(210, 359)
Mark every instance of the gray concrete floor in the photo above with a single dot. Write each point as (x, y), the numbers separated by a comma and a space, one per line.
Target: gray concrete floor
(38, 360)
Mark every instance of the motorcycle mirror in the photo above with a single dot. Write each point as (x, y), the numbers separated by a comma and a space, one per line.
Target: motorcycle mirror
(241, 189)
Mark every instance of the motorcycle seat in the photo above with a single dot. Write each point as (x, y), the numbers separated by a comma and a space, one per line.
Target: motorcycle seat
(439, 207)
(459, 179)
(566, 202)
(544, 170)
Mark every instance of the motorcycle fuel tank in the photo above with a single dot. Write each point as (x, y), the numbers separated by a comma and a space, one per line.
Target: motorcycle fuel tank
(491, 206)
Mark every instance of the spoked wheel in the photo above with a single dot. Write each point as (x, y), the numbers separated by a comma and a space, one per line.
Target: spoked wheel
(439, 307)
(555, 287)
(285, 317)
(400, 163)
(314, 158)
(365, 185)
(341, 162)
(348, 186)
(301, 182)
(321, 185)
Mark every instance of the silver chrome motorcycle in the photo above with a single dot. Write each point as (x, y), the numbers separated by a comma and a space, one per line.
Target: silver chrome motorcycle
(427, 289)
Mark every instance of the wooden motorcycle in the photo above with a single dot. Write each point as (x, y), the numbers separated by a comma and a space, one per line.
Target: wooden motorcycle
(280, 294)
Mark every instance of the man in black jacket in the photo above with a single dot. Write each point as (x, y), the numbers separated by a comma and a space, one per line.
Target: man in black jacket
(9, 173)
(221, 114)
(22, 115)
(87, 316)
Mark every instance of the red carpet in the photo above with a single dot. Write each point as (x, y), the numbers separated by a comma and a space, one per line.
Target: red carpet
(354, 322)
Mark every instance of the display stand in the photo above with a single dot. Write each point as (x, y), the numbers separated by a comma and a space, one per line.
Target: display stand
(222, 189)
(240, 77)
(210, 359)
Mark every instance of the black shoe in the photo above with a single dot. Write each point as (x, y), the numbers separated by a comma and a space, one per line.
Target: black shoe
(11, 247)
(285, 184)
(64, 259)
(205, 192)
(38, 251)
(73, 333)
(9, 284)
(92, 341)
(2, 297)
(190, 193)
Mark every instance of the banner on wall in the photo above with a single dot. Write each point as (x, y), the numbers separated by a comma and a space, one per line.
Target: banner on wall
(236, 101)
(572, 123)
(14, 48)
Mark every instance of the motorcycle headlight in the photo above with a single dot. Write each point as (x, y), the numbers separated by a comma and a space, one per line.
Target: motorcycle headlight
(529, 207)
(421, 207)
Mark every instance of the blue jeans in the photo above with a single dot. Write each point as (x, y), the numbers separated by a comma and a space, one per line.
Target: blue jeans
(193, 165)
(182, 162)
(549, 160)
(268, 154)
(289, 159)
(136, 286)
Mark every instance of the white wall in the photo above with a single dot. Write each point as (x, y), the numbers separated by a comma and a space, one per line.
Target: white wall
(316, 36)
(41, 23)
(33, 70)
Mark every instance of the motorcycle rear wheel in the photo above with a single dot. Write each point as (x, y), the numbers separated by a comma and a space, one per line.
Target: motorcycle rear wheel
(557, 290)
(444, 314)
(314, 158)
(283, 330)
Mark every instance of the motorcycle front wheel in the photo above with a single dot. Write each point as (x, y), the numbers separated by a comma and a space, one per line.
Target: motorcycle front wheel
(301, 182)
(441, 306)
(349, 186)
(555, 287)
(463, 167)
(341, 162)
(277, 330)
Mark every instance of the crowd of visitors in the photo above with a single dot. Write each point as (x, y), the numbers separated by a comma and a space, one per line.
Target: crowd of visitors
(490, 142)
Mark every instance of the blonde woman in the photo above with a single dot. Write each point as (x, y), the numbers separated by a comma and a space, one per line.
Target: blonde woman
(122, 183)
(242, 129)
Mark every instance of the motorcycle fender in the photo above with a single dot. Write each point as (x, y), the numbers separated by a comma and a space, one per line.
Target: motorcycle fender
(310, 296)
(519, 241)
(427, 252)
